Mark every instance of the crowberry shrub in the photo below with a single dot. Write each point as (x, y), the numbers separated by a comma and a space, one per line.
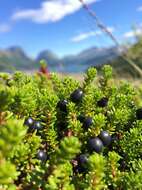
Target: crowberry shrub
(62, 134)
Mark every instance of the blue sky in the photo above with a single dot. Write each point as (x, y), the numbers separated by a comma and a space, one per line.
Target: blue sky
(63, 26)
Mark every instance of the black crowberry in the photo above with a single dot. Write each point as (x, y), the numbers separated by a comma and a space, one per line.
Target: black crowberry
(80, 169)
(139, 113)
(95, 144)
(82, 159)
(87, 122)
(105, 137)
(62, 105)
(77, 95)
(103, 102)
(37, 125)
(29, 122)
(41, 155)
(79, 164)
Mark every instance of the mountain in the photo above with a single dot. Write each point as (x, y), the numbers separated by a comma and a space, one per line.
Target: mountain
(15, 58)
(79, 62)
(89, 57)
(49, 56)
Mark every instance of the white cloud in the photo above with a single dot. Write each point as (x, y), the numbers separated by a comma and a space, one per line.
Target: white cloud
(129, 34)
(132, 34)
(84, 36)
(4, 28)
(50, 11)
(139, 9)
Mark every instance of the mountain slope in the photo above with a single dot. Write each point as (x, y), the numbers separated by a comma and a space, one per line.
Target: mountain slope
(15, 58)
(49, 56)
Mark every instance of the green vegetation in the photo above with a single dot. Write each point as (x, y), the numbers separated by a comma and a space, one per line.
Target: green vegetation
(122, 67)
(58, 134)
(15, 59)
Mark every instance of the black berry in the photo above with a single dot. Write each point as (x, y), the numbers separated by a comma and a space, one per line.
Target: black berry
(62, 105)
(95, 144)
(80, 169)
(37, 125)
(79, 164)
(87, 122)
(139, 113)
(77, 95)
(82, 159)
(41, 155)
(105, 137)
(103, 102)
(29, 122)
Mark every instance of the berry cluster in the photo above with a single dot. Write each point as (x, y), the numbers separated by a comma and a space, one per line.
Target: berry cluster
(75, 97)
(94, 144)
(36, 125)
(32, 124)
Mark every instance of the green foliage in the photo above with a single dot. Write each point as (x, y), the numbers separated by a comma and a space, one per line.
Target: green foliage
(8, 173)
(134, 177)
(11, 133)
(69, 147)
(133, 138)
(62, 137)
(90, 75)
(122, 68)
(113, 172)
(96, 175)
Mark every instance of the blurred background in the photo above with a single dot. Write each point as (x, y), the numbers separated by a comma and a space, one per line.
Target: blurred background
(64, 34)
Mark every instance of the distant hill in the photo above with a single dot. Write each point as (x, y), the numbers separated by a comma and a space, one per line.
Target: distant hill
(14, 58)
(90, 57)
(49, 56)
